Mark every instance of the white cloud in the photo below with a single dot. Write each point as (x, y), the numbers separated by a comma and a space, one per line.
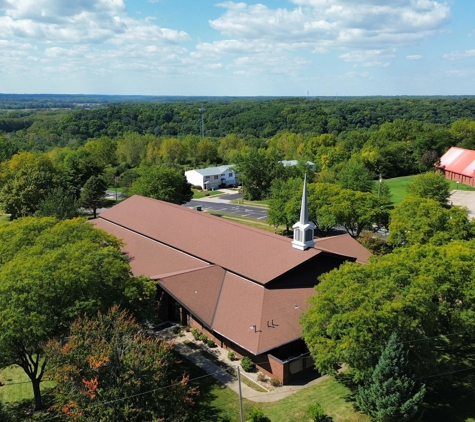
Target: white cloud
(414, 57)
(79, 22)
(456, 55)
(337, 23)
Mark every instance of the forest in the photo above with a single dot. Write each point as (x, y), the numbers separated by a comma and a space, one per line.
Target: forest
(413, 303)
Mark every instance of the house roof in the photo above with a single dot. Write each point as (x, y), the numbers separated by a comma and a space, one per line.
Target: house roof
(211, 171)
(458, 160)
(221, 271)
(294, 163)
(253, 317)
(252, 253)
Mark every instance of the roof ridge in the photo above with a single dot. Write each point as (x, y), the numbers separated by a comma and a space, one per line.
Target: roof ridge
(175, 273)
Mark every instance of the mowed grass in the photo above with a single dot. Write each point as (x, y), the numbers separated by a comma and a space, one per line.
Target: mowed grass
(198, 194)
(217, 403)
(398, 187)
(247, 221)
(17, 385)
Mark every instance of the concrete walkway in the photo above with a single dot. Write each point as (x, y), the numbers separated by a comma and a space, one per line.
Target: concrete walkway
(231, 382)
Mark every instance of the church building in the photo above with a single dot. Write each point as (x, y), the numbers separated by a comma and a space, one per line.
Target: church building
(245, 288)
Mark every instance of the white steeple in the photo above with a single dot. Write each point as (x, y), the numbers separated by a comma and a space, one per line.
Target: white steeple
(303, 229)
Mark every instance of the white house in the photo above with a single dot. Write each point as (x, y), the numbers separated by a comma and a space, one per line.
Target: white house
(212, 177)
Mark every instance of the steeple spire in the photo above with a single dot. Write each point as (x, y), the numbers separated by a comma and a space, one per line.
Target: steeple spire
(304, 205)
(303, 229)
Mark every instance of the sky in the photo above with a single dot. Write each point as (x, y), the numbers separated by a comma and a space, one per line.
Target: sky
(238, 48)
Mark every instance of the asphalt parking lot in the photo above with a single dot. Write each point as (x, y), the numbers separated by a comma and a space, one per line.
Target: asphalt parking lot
(225, 207)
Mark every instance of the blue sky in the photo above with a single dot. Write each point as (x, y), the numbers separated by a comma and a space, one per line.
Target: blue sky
(271, 47)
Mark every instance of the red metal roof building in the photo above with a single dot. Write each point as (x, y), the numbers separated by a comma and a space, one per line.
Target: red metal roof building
(459, 164)
(244, 287)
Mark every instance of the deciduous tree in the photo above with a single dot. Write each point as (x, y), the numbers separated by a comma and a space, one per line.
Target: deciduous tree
(52, 272)
(109, 370)
(424, 293)
(430, 185)
(162, 182)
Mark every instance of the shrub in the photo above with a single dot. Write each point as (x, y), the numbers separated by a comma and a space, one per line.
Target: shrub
(231, 355)
(257, 415)
(275, 382)
(261, 377)
(211, 343)
(203, 338)
(247, 364)
(195, 333)
(315, 411)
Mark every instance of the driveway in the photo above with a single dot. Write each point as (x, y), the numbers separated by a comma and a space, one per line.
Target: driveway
(464, 198)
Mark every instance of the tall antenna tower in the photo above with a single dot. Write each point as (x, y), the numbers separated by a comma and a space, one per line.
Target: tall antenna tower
(202, 125)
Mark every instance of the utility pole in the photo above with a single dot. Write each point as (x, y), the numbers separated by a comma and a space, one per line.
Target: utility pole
(241, 410)
(202, 126)
(379, 186)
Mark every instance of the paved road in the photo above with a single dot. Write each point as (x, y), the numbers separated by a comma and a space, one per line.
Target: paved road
(240, 210)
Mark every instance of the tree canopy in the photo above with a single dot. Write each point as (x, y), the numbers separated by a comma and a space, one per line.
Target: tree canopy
(109, 370)
(52, 272)
(423, 293)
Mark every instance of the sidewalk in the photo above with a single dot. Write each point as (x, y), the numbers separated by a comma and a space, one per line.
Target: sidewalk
(231, 382)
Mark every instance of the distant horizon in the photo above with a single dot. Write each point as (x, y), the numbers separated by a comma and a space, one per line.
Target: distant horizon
(249, 48)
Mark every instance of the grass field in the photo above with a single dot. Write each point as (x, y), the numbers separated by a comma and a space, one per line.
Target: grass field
(17, 385)
(197, 194)
(398, 187)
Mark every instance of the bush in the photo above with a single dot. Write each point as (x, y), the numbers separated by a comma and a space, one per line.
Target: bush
(257, 415)
(195, 333)
(203, 338)
(211, 343)
(315, 411)
(231, 355)
(261, 377)
(275, 382)
(247, 364)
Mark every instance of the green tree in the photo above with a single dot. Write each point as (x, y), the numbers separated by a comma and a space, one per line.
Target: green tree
(421, 292)
(162, 182)
(355, 176)
(430, 185)
(78, 167)
(109, 370)
(27, 178)
(392, 394)
(358, 211)
(284, 203)
(60, 203)
(52, 272)
(132, 148)
(103, 151)
(257, 169)
(93, 194)
(172, 151)
(206, 151)
(419, 220)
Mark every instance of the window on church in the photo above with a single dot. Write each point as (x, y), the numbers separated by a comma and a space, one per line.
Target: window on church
(308, 235)
(298, 235)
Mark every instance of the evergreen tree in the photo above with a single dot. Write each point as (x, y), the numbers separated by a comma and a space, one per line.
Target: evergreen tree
(93, 193)
(391, 394)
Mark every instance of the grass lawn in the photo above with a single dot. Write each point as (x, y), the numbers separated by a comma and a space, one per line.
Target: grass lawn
(398, 187)
(248, 221)
(4, 219)
(260, 204)
(17, 385)
(197, 194)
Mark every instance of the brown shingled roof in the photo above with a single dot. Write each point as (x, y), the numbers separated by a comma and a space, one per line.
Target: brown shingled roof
(252, 253)
(344, 245)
